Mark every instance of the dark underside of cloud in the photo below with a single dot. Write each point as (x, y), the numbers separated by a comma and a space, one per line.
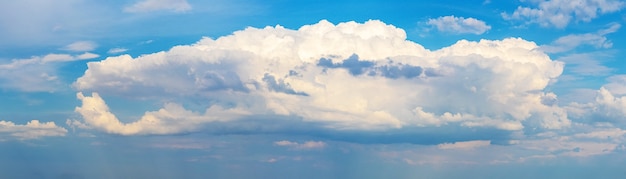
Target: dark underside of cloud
(287, 126)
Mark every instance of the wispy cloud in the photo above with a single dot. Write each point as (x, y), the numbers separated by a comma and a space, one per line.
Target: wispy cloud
(569, 42)
(308, 145)
(117, 50)
(459, 25)
(616, 84)
(49, 58)
(81, 46)
(38, 73)
(559, 13)
(465, 145)
(589, 64)
(158, 5)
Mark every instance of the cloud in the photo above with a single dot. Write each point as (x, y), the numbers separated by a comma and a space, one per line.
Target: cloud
(570, 42)
(31, 130)
(559, 13)
(38, 73)
(116, 50)
(345, 77)
(308, 145)
(616, 85)
(598, 141)
(589, 64)
(173, 118)
(608, 133)
(609, 104)
(459, 25)
(271, 160)
(552, 146)
(81, 46)
(157, 5)
(86, 56)
(41, 23)
(66, 57)
(465, 145)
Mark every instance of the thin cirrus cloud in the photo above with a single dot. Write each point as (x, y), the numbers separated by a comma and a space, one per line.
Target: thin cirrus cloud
(158, 5)
(559, 13)
(588, 64)
(344, 77)
(308, 145)
(38, 73)
(117, 50)
(465, 145)
(584, 63)
(31, 130)
(569, 42)
(459, 25)
(617, 84)
(81, 46)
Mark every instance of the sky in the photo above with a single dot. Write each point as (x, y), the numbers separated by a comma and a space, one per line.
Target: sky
(312, 89)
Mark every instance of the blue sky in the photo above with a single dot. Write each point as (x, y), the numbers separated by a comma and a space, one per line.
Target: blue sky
(312, 89)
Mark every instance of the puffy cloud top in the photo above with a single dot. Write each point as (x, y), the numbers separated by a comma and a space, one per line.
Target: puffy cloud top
(348, 76)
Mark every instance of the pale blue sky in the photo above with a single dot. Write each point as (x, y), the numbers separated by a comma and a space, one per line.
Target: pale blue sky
(312, 89)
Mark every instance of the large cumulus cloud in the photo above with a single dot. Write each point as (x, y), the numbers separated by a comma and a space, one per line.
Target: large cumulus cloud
(349, 76)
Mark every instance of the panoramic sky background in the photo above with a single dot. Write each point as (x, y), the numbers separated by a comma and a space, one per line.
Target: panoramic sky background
(312, 89)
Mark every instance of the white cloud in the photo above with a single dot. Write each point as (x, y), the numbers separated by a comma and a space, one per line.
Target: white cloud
(459, 25)
(570, 42)
(589, 64)
(271, 160)
(56, 58)
(348, 76)
(41, 23)
(86, 56)
(173, 118)
(157, 5)
(559, 13)
(38, 73)
(571, 146)
(31, 130)
(308, 145)
(609, 104)
(616, 85)
(81, 46)
(465, 145)
(66, 57)
(610, 133)
(116, 50)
